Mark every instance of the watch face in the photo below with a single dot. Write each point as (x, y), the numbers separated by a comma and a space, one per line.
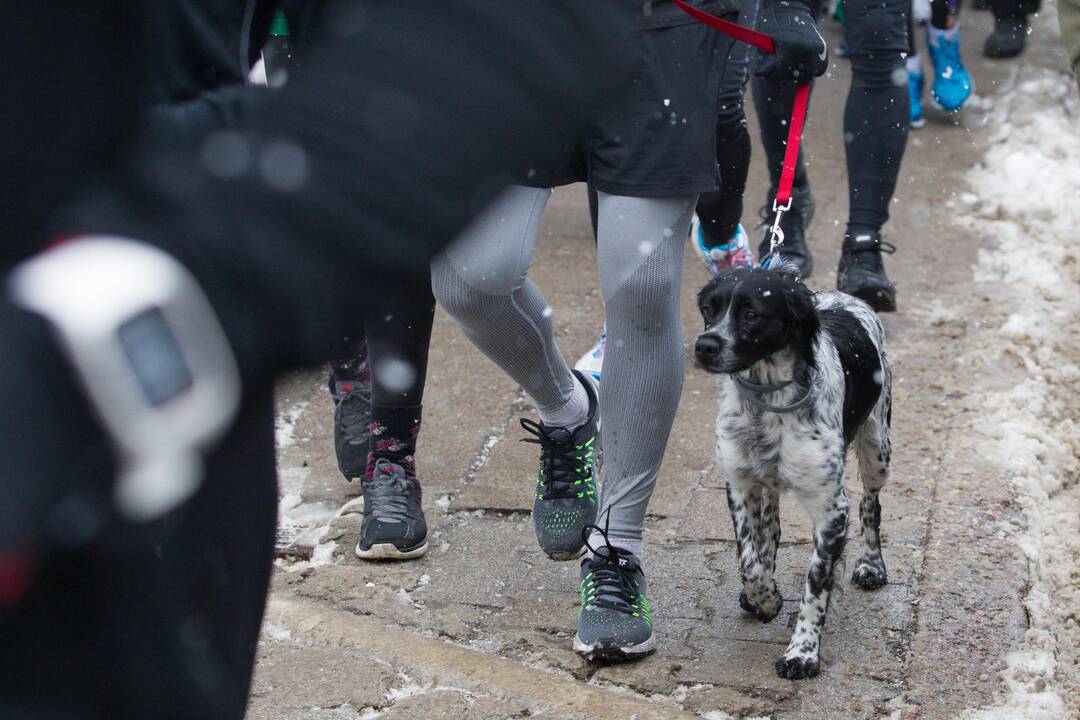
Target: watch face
(155, 357)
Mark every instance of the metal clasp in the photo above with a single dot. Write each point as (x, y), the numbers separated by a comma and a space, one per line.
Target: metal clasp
(776, 234)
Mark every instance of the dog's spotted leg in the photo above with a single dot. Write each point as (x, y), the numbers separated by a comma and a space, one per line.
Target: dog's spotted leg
(829, 511)
(770, 528)
(873, 447)
(760, 594)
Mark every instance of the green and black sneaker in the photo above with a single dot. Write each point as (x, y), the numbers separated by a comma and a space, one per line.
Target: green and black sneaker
(565, 502)
(615, 620)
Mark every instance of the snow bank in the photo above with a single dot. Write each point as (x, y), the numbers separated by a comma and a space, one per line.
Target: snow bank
(1027, 206)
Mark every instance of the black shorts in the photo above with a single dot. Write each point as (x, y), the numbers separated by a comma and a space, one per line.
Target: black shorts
(657, 139)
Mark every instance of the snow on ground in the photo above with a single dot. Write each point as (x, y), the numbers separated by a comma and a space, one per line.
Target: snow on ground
(285, 426)
(1026, 205)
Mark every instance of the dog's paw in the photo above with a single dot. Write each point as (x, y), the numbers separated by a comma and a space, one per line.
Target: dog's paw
(767, 607)
(798, 667)
(869, 575)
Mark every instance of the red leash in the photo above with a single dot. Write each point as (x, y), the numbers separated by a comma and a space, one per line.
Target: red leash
(763, 42)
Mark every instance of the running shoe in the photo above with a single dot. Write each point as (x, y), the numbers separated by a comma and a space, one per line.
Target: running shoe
(615, 620)
(352, 434)
(350, 389)
(565, 502)
(916, 81)
(952, 83)
(726, 256)
(592, 362)
(393, 527)
(1008, 38)
(861, 272)
(793, 224)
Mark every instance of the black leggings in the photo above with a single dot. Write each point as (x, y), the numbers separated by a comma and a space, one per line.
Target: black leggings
(398, 330)
(720, 211)
(875, 116)
(395, 342)
(942, 13)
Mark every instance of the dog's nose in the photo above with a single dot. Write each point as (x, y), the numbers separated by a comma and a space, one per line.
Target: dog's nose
(707, 347)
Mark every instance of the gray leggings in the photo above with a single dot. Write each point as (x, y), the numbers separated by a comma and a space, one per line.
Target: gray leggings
(482, 282)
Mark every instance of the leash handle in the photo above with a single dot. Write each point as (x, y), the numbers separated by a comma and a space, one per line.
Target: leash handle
(763, 42)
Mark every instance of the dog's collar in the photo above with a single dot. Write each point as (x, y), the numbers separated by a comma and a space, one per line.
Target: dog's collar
(752, 392)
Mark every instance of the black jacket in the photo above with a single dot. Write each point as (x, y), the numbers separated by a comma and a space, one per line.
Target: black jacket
(403, 106)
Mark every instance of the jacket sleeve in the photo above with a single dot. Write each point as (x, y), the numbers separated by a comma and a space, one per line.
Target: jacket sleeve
(404, 121)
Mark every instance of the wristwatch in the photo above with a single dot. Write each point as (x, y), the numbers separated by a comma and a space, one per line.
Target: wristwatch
(151, 356)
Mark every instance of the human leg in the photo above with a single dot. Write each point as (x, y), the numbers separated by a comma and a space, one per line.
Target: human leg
(398, 332)
(481, 281)
(640, 255)
(719, 238)
(773, 101)
(876, 122)
(952, 84)
(1010, 27)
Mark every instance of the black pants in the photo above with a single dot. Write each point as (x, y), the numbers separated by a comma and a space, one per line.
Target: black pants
(875, 116)
(397, 329)
(1013, 8)
(719, 212)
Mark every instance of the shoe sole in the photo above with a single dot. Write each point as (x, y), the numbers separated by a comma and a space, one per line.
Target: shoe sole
(938, 106)
(880, 300)
(598, 652)
(388, 551)
(567, 556)
(916, 124)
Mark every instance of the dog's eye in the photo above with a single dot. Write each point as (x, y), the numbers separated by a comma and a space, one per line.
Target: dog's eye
(750, 316)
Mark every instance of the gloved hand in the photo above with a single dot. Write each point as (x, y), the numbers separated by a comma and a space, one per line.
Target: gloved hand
(801, 53)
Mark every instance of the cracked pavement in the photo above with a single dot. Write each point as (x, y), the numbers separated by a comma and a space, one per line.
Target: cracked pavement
(481, 626)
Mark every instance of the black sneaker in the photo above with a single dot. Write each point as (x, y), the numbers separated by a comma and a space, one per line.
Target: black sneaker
(862, 274)
(565, 502)
(394, 527)
(1008, 38)
(352, 434)
(615, 620)
(794, 224)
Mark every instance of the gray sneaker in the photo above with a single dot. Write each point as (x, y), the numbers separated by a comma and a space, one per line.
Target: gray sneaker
(393, 527)
(565, 502)
(615, 620)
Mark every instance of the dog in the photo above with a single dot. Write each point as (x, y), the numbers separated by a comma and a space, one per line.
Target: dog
(801, 376)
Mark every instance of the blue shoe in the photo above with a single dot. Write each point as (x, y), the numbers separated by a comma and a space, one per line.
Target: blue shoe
(952, 84)
(915, 82)
(592, 362)
(728, 256)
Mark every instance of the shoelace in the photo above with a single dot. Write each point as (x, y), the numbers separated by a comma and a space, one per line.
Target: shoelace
(883, 246)
(354, 410)
(386, 493)
(613, 585)
(563, 467)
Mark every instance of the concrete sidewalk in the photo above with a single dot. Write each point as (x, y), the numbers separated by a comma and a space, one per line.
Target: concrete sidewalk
(481, 627)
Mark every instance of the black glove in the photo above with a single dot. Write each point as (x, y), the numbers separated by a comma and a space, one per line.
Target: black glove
(801, 53)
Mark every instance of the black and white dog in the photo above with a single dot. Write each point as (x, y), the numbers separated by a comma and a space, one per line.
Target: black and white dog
(802, 376)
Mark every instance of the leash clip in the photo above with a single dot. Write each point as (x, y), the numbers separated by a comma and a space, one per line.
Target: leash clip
(776, 234)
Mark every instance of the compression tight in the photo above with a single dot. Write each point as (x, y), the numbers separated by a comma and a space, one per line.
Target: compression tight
(482, 282)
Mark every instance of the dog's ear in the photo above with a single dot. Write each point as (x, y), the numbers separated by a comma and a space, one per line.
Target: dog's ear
(803, 317)
(703, 300)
